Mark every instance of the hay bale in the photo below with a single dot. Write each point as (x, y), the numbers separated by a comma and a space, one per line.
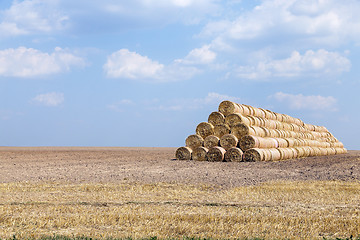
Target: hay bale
(282, 142)
(236, 118)
(204, 129)
(250, 141)
(221, 130)
(228, 107)
(258, 131)
(253, 120)
(270, 115)
(216, 154)
(274, 133)
(194, 141)
(233, 154)
(241, 126)
(211, 141)
(216, 118)
(239, 130)
(228, 141)
(300, 152)
(291, 142)
(199, 154)
(268, 123)
(183, 153)
(285, 153)
(255, 155)
(266, 131)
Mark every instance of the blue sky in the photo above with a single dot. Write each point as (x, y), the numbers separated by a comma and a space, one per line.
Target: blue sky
(146, 72)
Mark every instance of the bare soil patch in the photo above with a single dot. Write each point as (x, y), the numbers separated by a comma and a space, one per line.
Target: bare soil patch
(153, 165)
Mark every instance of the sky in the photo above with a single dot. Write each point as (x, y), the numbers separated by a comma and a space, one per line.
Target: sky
(146, 72)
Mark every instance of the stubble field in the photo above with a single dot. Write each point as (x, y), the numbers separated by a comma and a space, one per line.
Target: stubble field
(143, 192)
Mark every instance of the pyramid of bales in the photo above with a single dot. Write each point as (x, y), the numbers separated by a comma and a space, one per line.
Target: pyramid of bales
(238, 132)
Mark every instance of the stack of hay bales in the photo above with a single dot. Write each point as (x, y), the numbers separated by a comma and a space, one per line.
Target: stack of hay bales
(238, 132)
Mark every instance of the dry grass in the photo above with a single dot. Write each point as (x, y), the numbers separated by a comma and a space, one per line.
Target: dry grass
(277, 210)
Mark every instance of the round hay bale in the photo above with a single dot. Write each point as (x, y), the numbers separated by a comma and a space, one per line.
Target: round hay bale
(216, 154)
(278, 124)
(287, 126)
(199, 154)
(254, 155)
(239, 130)
(254, 120)
(228, 141)
(250, 141)
(300, 152)
(299, 122)
(293, 134)
(285, 153)
(309, 127)
(271, 124)
(308, 151)
(233, 154)
(279, 117)
(274, 154)
(183, 153)
(248, 109)
(211, 141)
(288, 134)
(221, 130)
(282, 142)
(236, 118)
(243, 110)
(274, 133)
(317, 151)
(228, 107)
(331, 151)
(266, 131)
(295, 127)
(194, 141)
(216, 118)
(295, 153)
(338, 144)
(261, 121)
(204, 129)
(263, 113)
(269, 115)
(257, 131)
(258, 112)
(323, 151)
(291, 142)
(340, 150)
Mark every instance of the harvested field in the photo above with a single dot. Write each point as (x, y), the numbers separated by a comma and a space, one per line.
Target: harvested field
(144, 192)
(153, 165)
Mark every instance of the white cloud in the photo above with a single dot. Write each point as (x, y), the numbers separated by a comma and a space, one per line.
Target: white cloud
(126, 64)
(51, 99)
(29, 62)
(10, 28)
(310, 64)
(324, 23)
(32, 16)
(41, 16)
(201, 55)
(131, 65)
(302, 102)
